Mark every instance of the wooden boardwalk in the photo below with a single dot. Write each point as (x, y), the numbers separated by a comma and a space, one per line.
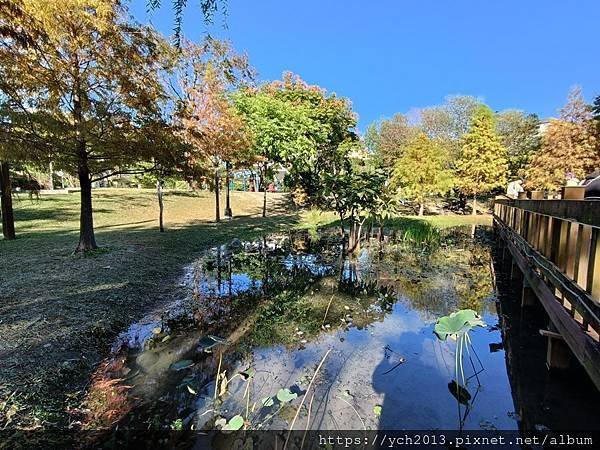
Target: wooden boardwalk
(555, 247)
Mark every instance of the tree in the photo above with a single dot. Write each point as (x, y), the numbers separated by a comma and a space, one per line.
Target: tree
(329, 123)
(208, 8)
(422, 171)
(596, 116)
(482, 165)
(295, 125)
(449, 122)
(82, 84)
(8, 219)
(356, 195)
(519, 134)
(212, 126)
(389, 138)
(568, 145)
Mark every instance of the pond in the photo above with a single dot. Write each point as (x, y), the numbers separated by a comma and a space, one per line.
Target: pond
(288, 331)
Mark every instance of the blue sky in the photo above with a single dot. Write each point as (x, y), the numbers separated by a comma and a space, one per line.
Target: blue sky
(391, 56)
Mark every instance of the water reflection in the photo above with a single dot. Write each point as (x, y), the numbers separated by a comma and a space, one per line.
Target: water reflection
(281, 303)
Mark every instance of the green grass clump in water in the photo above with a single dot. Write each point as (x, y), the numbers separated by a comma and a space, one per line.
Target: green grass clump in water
(422, 234)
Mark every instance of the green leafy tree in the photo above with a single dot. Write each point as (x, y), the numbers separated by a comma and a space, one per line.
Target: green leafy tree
(422, 171)
(568, 145)
(483, 164)
(332, 124)
(280, 130)
(82, 84)
(519, 134)
(356, 196)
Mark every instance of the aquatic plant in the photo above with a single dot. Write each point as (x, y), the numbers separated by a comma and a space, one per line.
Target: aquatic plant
(457, 326)
(420, 233)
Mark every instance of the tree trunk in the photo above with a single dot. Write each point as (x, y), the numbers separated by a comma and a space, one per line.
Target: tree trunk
(421, 209)
(355, 235)
(264, 187)
(159, 192)
(474, 212)
(217, 205)
(228, 212)
(51, 177)
(87, 240)
(8, 218)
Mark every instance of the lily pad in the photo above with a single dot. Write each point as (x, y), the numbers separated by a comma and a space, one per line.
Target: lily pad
(209, 341)
(183, 364)
(248, 373)
(285, 395)
(377, 409)
(457, 323)
(235, 423)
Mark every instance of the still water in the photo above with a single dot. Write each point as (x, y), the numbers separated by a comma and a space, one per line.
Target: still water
(290, 312)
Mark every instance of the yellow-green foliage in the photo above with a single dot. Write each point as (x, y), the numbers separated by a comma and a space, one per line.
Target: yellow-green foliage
(568, 145)
(483, 164)
(422, 170)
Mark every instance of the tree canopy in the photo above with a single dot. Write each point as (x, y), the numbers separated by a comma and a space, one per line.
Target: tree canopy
(568, 145)
(422, 171)
(482, 165)
(81, 87)
(519, 134)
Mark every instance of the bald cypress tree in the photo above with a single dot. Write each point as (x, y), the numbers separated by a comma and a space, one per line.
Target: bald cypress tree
(482, 165)
(568, 145)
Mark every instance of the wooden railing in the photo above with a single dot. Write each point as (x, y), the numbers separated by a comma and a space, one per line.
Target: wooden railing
(560, 238)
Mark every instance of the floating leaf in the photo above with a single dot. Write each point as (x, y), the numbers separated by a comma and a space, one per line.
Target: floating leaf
(209, 341)
(267, 401)
(457, 323)
(235, 423)
(377, 410)
(157, 330)
(183, 364)
(285, 395)
(248, 373)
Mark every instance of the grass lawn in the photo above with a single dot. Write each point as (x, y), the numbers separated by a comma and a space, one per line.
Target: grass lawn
(60, 311)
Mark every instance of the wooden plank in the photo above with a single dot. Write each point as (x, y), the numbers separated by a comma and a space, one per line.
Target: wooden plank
(586, 350)
(562, 245)
(570, 293)
(594, 268)
(583, 256)
(582, 211)
(551, 334)
(571, 250)
(549, 238)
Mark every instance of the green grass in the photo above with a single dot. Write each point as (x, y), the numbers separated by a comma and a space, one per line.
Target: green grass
(59, 311)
